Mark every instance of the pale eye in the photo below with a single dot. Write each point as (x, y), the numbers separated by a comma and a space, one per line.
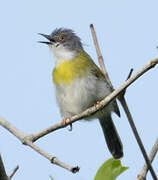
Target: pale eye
(62, 38)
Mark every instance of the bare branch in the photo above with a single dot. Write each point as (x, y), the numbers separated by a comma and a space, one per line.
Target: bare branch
(13, 172)
(3, 175)
(95, 108)
(143, 173)
(25, 140)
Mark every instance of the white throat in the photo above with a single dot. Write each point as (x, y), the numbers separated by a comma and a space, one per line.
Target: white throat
(62, 54)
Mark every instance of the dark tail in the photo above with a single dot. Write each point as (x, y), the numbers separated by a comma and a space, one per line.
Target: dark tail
(112, 138)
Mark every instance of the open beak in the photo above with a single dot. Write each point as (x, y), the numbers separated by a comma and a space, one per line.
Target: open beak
(51, 40)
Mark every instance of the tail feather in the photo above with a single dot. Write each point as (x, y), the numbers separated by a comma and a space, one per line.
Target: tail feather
(111, 136)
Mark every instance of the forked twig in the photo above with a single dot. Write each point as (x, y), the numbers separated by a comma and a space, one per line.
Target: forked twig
(25, 139)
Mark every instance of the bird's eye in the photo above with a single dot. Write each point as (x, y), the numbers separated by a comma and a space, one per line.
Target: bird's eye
(62, 38)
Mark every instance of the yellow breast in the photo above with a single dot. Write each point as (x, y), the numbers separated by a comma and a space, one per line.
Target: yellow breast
(67, 71)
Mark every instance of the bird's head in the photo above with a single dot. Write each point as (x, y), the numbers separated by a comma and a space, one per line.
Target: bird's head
(63, 41)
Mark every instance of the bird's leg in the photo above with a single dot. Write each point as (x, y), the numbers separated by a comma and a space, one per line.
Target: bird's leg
(64, 122)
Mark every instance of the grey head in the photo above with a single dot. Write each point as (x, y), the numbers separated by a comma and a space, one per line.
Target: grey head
(63, 37)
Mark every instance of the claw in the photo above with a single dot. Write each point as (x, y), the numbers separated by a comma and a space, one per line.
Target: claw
(70, 127)
(64, 122)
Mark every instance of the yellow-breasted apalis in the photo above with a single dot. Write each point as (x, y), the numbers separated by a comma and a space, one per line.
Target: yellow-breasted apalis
(80, 84)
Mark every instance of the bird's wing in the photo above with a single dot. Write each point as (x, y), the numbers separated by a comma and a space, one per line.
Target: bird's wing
(95, 70)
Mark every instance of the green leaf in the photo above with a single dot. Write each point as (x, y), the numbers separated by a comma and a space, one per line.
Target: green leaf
(110, 169)
(51, 178)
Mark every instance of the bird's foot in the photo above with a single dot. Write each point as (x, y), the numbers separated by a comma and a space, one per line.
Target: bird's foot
(100, 105)
(64, 121)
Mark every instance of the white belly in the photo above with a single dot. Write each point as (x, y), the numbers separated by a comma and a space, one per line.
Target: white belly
(81, 94)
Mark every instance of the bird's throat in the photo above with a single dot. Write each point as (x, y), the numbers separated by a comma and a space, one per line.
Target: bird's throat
(67, 71)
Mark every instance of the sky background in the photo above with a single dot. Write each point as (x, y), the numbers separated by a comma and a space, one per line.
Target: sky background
(128, 36)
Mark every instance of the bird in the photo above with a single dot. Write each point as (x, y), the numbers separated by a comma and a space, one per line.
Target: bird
(80, 84)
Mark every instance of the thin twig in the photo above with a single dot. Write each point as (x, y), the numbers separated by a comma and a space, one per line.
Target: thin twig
(130, 74)
(139, 141)
(13, 172)
(25, 140)
(100, 57)
(3, 175)
(122, 94)
(143, 173)
(123, 103)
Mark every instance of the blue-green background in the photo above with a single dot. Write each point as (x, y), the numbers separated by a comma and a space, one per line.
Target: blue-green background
(128, 36)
